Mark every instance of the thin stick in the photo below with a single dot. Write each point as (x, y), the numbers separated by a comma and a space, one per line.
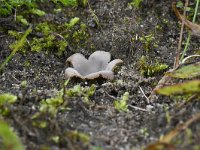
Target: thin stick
(176, 62)
(112, 97)
(144, 95)
(134, 107)
(138, 108)
(15, 15)
(191, 56)
(189, 34)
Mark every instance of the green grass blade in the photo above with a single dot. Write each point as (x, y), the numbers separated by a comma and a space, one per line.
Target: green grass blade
(17, 47)
(189, 34)
(187, 71)
(189, 87)
(10, 140)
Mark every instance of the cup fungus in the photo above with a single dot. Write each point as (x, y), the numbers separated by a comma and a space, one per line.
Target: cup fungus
(97, 65)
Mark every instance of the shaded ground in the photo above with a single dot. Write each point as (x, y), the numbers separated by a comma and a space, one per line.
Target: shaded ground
(119, 31)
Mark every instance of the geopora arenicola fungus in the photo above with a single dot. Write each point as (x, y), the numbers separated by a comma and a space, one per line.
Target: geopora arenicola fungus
(97, 65)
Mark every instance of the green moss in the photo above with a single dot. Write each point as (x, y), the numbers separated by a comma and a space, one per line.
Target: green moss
(84, 92)
(21, 19)
(55, 38)
(72, 22)
(18, 45)
(44, 28)
(82, 2)
(15, 34)
(66, 2)
(159, 27)
(46, 43)
(135, 3)
(121, 104)
(55, 139)
(78, 136)
(48, 36)
(6, 99)
(148, 42)
(61, 47)
(9, 139)
(80, 36)
(150, 69)
(6, 6)
(165, 21)
(144, 132)
(39, 124)
(52, 105)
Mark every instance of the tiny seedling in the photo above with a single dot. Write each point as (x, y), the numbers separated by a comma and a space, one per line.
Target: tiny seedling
(80, 136)
(121, 104)
(9, 139)
(84, 92)
(147, 41)
(6, 98)
(17, 46)
(135, 3)
(149, 70)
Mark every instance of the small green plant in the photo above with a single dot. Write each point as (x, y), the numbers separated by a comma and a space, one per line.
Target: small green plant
(17, 46)
(147, 42)
(149, 70)
(66, 2)
(52, 37)
(83, 2)
(121, 104)
(21, 8)
(6, 98)
(144, 131)
(190, 10)
(186, 88)
(78, 136)
(71, 2)
(49, 107)
(9, 139)
(7, 6)
(53, 105)
(135, 3)
(84, 92)
(72, 22)
(187, 71)
(55, 38)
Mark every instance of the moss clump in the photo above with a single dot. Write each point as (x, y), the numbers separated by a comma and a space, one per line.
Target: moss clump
(55, 38)
(150, 69)
(6, 99)
(135, 3)
(47, 36)
(84, 92)
(148, 42)
(80, 36)
(75, 135)
(52, 105)
(122, 105)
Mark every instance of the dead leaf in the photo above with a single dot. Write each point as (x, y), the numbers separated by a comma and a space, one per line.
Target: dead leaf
(195, 28)
(186, 71)
(164, 142)
(160, 146)
(170, 135)
(189, 87)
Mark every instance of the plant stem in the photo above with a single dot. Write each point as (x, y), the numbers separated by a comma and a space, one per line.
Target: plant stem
(17, 47)
(177, 58)
(189, 34)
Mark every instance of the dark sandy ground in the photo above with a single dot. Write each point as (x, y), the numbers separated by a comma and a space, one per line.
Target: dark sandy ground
(120, 28)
